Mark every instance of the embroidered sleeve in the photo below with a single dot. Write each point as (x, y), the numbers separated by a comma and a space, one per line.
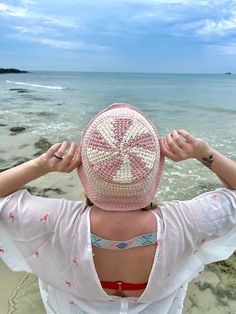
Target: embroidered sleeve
(213, 213)
(23, 212)
(204, 227)
(33, 231)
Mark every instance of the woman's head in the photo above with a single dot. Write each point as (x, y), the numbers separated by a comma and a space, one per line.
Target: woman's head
(121, 159)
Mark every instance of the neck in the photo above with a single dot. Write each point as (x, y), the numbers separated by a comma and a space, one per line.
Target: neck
(119, 223)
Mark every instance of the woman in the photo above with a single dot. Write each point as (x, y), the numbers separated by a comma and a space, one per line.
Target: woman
(119, 253)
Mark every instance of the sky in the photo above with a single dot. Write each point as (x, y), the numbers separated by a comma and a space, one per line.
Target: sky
(164, 36)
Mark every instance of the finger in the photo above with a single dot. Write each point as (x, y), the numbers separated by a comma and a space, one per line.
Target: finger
(79, 155)
(179, 140)
(61, 151)
(75, 163)
(165, 149)
(172, 145)
(188, 137)
(53, 149)
(70, 154)
(169, 139)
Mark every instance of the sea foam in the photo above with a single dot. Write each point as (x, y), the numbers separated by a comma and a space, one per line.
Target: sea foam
(35, 85)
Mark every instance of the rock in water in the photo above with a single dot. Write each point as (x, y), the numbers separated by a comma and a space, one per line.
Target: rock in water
(43, 145)
(11, 70)
(17, 129)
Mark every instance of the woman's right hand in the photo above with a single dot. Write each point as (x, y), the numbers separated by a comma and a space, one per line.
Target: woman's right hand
(57, 159)
(180, 145)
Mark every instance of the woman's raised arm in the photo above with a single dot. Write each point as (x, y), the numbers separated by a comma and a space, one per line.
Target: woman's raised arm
(15, 178)
(180, 145)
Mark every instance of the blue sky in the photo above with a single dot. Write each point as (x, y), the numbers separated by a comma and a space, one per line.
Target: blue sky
(183, 36)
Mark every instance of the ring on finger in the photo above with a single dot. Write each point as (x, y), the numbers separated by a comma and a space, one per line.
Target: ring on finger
(58, 157)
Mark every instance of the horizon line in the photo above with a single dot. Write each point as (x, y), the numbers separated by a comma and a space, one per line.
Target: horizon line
(125, 72)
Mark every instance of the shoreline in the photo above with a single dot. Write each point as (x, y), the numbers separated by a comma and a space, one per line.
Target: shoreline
(8, 283)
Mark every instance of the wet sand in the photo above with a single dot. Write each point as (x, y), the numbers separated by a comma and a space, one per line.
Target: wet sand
(8, 284)
(214, 291)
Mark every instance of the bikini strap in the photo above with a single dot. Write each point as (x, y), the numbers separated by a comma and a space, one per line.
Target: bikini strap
(119, 285)
(141, 240)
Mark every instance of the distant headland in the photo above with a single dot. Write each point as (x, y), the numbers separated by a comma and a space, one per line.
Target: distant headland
(11, 70)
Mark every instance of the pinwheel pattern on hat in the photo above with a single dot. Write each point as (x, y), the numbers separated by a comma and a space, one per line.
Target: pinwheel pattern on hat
(121, 150)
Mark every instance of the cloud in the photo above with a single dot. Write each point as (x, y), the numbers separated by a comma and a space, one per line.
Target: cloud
(67, 24)
(65, 44)
(171, 17)
(47, 19)
(160, 2)
(35, 30)
(36, 35)
(13, 10)
(176, 17)
(45, 29)
(227, 49)
(218, 28)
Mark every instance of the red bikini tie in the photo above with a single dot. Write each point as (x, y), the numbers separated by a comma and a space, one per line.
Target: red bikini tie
(119, 285)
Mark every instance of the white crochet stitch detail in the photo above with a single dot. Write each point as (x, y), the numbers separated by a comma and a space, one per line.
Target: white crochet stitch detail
(147, 156)
(95, 155)
(124, 174)
(106, 129)
(135, 129)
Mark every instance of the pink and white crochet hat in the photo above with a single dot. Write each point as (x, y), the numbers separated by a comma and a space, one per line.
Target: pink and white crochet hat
(121, 159)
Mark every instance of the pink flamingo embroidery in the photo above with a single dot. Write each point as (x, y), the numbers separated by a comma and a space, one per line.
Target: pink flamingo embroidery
(68, 283)
(72, 302)
(195, 252)
(36, 253)
(75, 261)
(1, 250)
(12, 217)
(44, 218)
(215, 196)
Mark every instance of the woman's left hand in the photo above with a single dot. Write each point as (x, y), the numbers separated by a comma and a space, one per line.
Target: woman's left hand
(180, 145)
(60, 160)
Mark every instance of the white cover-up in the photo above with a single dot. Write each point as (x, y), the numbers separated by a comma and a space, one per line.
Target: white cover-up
(51, 238)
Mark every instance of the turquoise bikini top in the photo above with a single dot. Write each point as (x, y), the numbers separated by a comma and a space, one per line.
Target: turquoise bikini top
(141, 240)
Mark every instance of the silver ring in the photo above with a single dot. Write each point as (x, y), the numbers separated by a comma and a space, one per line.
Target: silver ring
(57, 157)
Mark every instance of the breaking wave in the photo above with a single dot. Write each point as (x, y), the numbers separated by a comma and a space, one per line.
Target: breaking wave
(36, 85)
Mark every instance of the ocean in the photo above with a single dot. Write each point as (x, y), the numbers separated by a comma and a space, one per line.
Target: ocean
(56, 106)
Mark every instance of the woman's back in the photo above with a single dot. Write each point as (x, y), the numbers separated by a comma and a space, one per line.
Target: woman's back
(130, 265)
